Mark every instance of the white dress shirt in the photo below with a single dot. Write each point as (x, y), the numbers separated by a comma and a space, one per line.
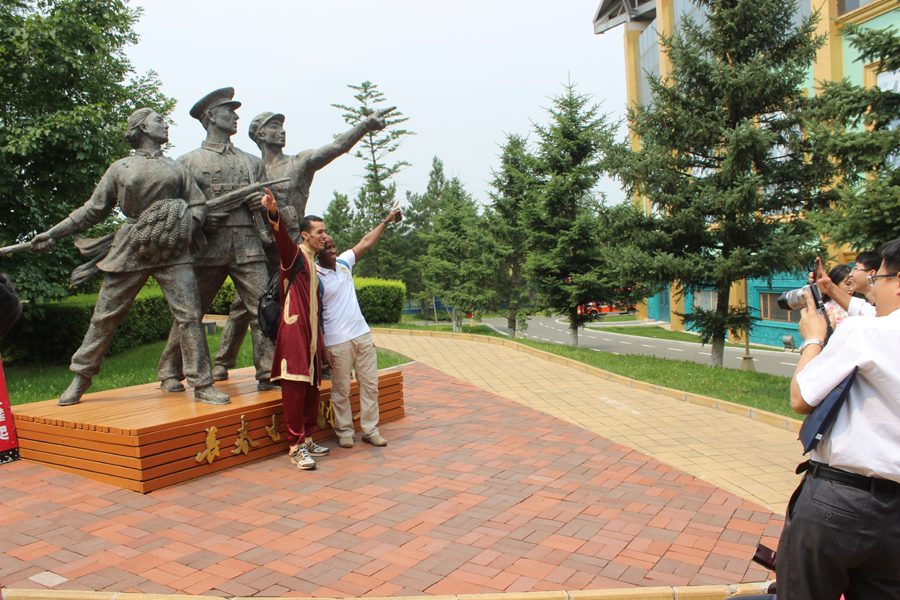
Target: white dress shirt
(865, 437)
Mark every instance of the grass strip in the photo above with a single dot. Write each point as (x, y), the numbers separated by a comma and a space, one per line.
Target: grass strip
(658, 333)
(756, 390)
(35, 382)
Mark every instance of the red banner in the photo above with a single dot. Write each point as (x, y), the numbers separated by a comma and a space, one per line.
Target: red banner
(9, 443)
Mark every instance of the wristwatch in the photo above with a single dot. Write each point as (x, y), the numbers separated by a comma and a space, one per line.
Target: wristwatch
(811, 341)
(385, 221)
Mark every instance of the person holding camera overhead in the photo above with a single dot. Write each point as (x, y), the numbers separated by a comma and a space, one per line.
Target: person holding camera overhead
(842, 528)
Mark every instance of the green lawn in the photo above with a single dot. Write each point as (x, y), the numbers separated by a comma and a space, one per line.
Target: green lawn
(31, 383)
(758, 390)
(659, 333)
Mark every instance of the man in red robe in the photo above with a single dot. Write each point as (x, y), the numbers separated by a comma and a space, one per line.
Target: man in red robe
(300, 347)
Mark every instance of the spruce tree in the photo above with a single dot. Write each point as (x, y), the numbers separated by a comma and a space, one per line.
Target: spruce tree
(376, 196)
(339, 222)
(456, 264)
(511, 185)
(858, 128)
(419, 215)
(561, 212)
(724, 158)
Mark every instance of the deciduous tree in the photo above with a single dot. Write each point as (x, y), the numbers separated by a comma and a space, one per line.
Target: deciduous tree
(66, 91)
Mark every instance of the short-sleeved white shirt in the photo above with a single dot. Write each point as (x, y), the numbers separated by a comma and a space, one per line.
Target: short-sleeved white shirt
(865, 437)
(859, 307)
(342, 318)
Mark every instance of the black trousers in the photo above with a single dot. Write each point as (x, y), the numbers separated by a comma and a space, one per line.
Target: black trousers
(838, 539)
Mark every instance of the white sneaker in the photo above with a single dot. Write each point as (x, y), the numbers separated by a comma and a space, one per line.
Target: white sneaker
(314, 449)
(301, 458)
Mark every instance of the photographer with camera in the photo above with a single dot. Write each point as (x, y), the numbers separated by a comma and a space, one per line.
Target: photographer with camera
(842, 528)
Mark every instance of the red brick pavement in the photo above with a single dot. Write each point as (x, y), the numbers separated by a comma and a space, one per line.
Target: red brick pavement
(475, 493)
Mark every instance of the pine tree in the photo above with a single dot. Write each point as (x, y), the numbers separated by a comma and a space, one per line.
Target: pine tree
(561, 212)
(456, 267)
(376, 196)
(858, 128)
(724, 158)
(339, 222)
(512, 184)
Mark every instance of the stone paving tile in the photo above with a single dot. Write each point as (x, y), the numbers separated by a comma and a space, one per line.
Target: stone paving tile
(752, 459)
(475, 493)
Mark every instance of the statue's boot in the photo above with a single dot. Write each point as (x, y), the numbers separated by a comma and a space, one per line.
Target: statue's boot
(219, 373)
(210, 395)
(171, 385)
(75, 391)
(265, 385)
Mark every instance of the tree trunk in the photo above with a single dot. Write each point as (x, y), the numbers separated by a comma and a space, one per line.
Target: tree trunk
(511, 321)
(573, 334)
(717, 350)
(457, 320)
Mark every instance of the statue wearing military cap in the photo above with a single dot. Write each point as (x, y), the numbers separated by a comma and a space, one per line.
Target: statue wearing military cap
(267, 131)
(234, 247)
(163, 208)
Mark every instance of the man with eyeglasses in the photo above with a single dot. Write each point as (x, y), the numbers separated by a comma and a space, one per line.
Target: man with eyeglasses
(866, 264)
(842, 529)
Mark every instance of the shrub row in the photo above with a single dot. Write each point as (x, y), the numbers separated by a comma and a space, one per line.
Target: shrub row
(51, 333)
(380, 300)
(224, 299)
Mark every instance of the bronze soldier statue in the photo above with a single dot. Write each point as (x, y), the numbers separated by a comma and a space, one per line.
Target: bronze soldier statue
(234, 244)
(267, 131)
(163, 208)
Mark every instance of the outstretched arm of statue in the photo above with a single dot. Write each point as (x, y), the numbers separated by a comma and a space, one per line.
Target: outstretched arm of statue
(45, 242)
(101, 203)
(344, 142)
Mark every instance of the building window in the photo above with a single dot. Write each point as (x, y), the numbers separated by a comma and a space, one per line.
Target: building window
(705, 299)
(770, 311)
(845, 6)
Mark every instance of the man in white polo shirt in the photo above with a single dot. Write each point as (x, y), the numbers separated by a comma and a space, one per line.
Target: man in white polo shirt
(842, 529)
(348, 338)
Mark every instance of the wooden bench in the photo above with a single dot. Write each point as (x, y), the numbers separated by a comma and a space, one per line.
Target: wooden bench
(143, 439)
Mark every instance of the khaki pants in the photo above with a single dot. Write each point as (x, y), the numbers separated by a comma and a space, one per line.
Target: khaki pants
(358, 353)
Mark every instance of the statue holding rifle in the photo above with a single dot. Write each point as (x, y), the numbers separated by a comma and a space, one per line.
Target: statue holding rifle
(164, 210)
(234, 234)
(267, 131)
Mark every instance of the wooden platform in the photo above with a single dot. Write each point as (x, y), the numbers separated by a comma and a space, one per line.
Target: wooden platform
(143, 439)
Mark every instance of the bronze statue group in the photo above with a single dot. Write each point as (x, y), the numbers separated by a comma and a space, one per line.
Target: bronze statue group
(190, 223)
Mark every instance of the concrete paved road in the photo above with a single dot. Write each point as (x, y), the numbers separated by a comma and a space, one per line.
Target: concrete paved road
(550, 329)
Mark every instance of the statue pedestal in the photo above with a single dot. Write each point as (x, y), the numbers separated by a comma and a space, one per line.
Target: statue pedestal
(143, 439)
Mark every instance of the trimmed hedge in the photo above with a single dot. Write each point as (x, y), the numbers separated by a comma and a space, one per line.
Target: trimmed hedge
(51, 333)
(221, 304)
(380, 300)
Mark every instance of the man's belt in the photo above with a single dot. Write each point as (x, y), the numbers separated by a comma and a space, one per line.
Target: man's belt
(861, 482)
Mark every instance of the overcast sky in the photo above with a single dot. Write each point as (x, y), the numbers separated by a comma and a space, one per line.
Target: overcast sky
(464, 72)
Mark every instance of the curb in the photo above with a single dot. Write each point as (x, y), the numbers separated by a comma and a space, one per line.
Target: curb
(763, 416)
(699, 592)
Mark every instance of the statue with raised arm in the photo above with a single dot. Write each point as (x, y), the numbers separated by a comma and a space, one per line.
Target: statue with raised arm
(163, 208)
(267, 131)
(234, 244)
